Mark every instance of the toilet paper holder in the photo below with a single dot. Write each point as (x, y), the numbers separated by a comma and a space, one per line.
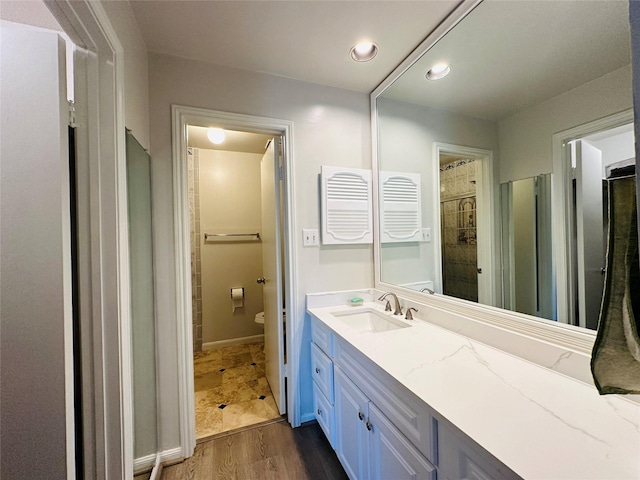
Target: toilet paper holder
(236, 289)
(237, 298)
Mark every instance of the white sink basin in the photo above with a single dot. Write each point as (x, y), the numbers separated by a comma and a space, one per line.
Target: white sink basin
(368, 320)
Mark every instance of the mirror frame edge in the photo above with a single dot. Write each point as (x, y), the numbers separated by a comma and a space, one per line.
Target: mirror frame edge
(562, 335)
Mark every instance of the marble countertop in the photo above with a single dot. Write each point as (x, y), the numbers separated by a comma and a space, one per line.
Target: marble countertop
(539, 423)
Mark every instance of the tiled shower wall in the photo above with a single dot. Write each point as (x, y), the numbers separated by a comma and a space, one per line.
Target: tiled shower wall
(193, 165)
(458, 219)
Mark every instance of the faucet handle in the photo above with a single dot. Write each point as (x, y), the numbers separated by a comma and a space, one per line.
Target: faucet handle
(387, 307)
(409, 315)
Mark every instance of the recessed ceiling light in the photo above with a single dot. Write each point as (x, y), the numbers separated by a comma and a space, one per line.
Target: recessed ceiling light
(438, 71)
(364, 51)
(216, 135)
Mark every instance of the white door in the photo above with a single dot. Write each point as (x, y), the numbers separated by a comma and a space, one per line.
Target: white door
(484, 236)
(272, 273)
(589, 233)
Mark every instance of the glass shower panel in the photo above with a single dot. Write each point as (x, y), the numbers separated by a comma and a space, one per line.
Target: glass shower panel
(142, 304)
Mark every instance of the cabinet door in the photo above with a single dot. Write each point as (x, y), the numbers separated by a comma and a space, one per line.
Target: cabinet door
(391, 454)
(462, 459)
(352, 437)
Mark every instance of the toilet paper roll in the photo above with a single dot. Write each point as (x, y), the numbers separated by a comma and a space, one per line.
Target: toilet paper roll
(237, 298)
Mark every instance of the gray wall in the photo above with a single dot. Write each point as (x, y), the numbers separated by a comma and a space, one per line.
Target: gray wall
(526, 148)
(331, 126)
(35, 265)
(405, 144)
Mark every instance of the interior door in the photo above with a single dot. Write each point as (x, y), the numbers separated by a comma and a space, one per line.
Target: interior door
(589, 236)
(272, 273)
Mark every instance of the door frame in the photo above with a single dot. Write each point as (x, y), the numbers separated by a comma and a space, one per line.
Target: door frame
(561, 192)
(487, 251)
(103, 243)
(181, 117)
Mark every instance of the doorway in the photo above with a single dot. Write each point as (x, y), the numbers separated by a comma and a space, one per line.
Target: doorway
(584, 158)
(235, 247)
(243, 258)
(466, 222)
(595, 159)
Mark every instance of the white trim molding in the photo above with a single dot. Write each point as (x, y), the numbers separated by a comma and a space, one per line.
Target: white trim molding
(547, 332)
(181, 117)
(103, 247)
(488, 248)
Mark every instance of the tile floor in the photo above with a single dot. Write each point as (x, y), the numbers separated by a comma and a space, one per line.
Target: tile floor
(231, 390)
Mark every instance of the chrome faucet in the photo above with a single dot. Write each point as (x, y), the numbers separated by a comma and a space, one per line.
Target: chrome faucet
(398, 308)
(428, 290)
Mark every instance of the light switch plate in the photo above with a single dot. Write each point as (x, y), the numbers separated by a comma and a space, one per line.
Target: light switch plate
(426, 235)
(310, 237)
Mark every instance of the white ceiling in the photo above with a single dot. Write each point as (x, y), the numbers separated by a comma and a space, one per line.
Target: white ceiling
(30, 12)
(305, 40)
(234, 142)
(508, 56)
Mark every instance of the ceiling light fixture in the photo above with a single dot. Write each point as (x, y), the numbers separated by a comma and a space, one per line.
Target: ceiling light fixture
(364, 51)
(438, 71)
(216, 135)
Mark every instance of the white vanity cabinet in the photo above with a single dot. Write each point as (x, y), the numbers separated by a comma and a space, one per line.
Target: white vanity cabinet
(368, 445)
(379, 429)
(322, 374)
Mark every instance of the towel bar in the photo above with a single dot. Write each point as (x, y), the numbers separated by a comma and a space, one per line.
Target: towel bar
(231, 235)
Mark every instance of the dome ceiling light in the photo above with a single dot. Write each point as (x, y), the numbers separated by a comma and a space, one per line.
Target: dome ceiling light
(216, 135)
(364, 51)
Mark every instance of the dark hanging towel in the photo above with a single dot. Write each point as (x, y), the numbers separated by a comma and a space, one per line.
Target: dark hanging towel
(615, 361)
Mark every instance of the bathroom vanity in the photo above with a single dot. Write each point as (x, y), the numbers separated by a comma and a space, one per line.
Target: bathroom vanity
(410, 399)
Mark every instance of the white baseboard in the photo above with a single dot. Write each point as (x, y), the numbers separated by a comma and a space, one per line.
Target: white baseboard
(307, 417)
(232, 341)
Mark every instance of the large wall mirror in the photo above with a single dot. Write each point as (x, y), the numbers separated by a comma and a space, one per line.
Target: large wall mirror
(492, 179)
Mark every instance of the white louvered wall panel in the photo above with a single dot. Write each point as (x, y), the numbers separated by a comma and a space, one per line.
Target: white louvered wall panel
(346, 206)
(401, 218)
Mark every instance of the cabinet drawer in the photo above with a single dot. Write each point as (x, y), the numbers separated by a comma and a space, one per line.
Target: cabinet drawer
(322, 372)
(323, 410)
(322, 336)
(408, 413)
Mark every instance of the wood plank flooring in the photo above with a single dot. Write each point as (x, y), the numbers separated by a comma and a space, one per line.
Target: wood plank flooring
(274, 451)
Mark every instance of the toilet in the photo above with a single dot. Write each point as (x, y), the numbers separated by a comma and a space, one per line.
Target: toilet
(259, 319)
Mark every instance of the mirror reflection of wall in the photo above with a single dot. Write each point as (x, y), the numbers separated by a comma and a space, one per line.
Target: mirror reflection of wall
(520, 73)
(528, 276)
(143, 332)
